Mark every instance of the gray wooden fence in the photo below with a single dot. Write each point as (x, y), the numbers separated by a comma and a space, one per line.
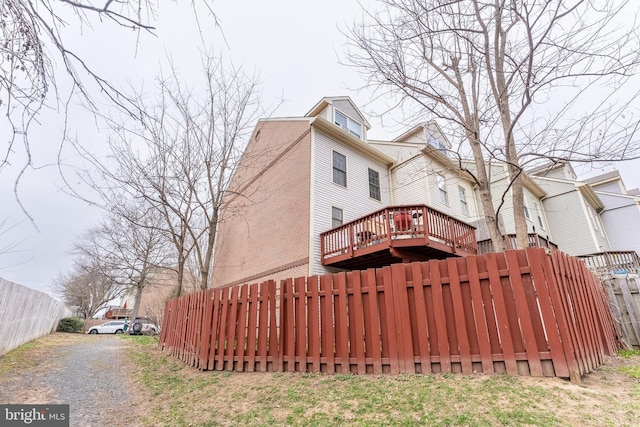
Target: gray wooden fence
(619, 271)
(26, 314)
(623, 292)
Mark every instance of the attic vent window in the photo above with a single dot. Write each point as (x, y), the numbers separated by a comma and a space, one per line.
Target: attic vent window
(348, 124)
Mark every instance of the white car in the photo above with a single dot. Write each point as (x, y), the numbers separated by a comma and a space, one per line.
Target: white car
(112, 327)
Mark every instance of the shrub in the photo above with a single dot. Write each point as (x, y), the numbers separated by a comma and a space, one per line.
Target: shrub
(70, 324)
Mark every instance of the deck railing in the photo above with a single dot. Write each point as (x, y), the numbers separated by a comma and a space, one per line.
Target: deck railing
(535, 241)
(613, 262)
(399, 222)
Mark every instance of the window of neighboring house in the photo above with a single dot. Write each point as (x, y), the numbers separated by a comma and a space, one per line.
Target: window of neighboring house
(436, 143)
(348, 124)
(339, 169)
(463, 200)
(374, 184)
(539, 215)
(336, 217)
(442, 189)
(526, 209)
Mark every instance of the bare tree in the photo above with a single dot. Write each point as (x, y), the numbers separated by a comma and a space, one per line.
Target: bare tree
(490, 69)
(85, 290)
(179, 161)
(35, 55)
(127, 248)
(8, 246)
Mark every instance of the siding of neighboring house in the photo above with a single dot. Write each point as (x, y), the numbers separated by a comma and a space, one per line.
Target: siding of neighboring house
(410, 185)
(500, 187)
(571, 218)
(621, 214)
(453, 207)
(415, 179)
(266, 229)
(621, 219)
(353, 199)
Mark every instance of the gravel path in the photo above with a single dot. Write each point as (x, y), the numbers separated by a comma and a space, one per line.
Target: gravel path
(85, 371)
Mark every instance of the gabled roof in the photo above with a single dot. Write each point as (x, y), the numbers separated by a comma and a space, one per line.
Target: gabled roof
(420, 128)
(329, 100)
(548, 167)
(604, 178)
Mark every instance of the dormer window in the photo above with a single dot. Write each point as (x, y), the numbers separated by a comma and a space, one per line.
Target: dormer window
(348, 124)
(437, 144)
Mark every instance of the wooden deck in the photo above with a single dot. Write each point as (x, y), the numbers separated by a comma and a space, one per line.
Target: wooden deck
(397, 234)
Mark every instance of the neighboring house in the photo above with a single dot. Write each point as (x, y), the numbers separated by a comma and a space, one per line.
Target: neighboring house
(502, 196)
(621, 211)
(312, 196)
(424, 173)
(161, 287)
(572, 209)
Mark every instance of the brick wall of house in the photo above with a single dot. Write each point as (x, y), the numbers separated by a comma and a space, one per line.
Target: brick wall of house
(265, 229)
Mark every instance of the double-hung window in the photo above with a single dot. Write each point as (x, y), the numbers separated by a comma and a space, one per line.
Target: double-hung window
(463, 200)
(348, 124)
(336, 217)
(539, 214)
(339, 169)
(442, 189)
(526, 210)
(374, 184)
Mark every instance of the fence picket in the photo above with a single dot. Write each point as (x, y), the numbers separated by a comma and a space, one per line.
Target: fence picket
(460, 320)
(328, 337)
(500, 304)
(421, 318)
(356, 321)
(313, 322)
(523, 313)
(372, 321)
(440, 318)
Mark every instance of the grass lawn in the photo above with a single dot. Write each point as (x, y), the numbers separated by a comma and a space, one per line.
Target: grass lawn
(177, 395)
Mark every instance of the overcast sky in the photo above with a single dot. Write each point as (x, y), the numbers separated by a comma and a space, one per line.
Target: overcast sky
(295, 48)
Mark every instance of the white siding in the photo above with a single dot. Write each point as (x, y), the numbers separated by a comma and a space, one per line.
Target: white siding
(500, 187)
(354, 200)
(569, 220)
(327, 113)
(409, 183)
(621, 219)
(452, 181)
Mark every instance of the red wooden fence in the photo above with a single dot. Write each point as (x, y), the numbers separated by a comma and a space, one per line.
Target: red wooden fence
(522, 312)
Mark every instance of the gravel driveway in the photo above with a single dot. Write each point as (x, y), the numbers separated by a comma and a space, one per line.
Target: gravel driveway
(88, 372)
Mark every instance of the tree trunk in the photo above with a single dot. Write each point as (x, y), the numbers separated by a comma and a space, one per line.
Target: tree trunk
(136, 304)
(484, 187)
(517, 192)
